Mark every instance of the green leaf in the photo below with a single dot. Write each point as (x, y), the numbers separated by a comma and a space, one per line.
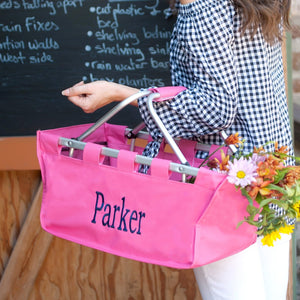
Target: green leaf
(270, 216)
(254, 223)
(245, 193)
(291, 214)
(280, 175)
(260, 232)
(282, 204)
(290, 191)
(259, 198)
(252, 211)
(296, 158)
(297, 193)
(265, 202)
(240, 223)
(277, 188)
(264, 221)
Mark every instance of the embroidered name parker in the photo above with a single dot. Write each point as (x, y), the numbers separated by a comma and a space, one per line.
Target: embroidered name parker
(117, 216)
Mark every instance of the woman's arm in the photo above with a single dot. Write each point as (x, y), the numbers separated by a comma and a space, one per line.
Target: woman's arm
(94, 95)
(202, 59)
(186, 1)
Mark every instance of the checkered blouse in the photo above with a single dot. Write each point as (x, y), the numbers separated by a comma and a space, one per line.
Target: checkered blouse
(234, 83)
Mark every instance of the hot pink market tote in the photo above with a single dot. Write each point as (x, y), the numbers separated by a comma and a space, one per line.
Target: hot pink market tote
(94, 195)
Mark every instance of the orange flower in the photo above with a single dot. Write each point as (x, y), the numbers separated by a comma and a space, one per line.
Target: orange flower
(266, 171)
(252, 191)
(233, 139)
(212, 163)
(291, 177)
(223, 164)
(260, 186)
(281, 150)
(258, 150)
(262, 183)
(274, 162)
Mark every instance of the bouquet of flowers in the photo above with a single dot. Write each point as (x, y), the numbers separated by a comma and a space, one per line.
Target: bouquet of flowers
(272, 189)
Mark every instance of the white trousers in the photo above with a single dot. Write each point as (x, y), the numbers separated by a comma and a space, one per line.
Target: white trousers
(256, 273)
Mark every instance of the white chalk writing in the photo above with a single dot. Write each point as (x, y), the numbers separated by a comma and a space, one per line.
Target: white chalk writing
(116, 45)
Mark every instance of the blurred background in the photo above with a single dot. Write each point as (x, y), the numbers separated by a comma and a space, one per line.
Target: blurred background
(295, 88)
(295, 45)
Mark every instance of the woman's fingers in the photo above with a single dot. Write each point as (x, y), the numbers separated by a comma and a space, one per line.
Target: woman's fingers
(89, 96)
(94, 95)
(76, 90)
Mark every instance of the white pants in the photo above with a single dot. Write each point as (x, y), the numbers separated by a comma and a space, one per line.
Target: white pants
(256, 273)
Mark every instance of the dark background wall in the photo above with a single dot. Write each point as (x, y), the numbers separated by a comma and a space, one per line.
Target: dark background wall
(47, 45)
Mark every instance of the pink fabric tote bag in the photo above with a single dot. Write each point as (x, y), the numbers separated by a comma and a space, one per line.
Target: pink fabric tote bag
(103, 202)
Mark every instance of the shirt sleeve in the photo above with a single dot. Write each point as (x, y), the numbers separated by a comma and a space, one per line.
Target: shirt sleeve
(202, 59)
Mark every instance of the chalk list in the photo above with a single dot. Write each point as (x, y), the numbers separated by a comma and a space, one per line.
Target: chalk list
(47, 45)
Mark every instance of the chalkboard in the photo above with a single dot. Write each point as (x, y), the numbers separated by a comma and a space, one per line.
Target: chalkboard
(48, 45)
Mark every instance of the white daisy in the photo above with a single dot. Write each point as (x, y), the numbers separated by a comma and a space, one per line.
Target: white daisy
(241, 172)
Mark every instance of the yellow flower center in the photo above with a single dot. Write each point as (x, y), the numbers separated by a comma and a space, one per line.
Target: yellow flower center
(240, 174)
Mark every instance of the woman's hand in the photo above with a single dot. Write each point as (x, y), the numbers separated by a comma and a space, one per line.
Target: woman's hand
(93, 95)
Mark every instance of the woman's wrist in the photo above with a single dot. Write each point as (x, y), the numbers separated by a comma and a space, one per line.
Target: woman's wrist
(122, 92)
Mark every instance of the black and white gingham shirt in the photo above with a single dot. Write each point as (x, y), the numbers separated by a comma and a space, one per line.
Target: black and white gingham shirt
(234, 83)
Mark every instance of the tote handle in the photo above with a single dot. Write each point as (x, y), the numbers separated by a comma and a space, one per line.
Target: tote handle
(113, 112)
(153, 94)
(163, 129)
(166, 93)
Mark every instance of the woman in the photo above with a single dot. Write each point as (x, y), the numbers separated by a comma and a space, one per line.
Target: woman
(228, 55)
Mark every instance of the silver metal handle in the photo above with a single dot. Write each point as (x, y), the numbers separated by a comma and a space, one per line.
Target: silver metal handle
(151, 96)
(113, 112)
(163, 129)
(109, 115)
(167, 135)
